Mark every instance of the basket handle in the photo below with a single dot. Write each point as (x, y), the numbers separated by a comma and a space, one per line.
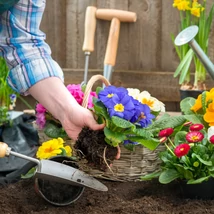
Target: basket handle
(90, 85)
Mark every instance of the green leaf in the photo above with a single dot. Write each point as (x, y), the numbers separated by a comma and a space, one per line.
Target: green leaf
(119, 122)
(54, 131)
(150, 176)
(185, 69)
(151, 144)
(198, 181)
(114, 137)
(207, 163)
(168, 176)
(187, 174)
(63, 152)
(184, 61)
(194, 118)
(186, 104)
(29, 174)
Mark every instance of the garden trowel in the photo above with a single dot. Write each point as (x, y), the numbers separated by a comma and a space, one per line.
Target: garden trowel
(58, 172)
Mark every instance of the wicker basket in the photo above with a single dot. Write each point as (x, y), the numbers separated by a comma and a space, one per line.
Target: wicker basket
(131, 165)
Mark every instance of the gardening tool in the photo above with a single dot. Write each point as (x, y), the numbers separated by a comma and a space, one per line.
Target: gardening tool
(116, 16)
(111, 49)
(58, 172)
(187, 37)
(88, 44)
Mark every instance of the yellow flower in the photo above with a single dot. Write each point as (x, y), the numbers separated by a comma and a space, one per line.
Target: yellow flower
(198, 103)
(196, 9)
(209, 115)
(68, 151)
(50, 148)
(182, 4)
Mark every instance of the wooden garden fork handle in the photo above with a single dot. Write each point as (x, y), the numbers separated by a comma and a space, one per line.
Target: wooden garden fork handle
(5, 150)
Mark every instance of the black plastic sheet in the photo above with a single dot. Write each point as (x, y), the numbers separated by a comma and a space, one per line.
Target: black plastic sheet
(23, 138)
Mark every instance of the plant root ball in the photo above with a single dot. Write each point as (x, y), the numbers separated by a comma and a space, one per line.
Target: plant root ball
(91, 145)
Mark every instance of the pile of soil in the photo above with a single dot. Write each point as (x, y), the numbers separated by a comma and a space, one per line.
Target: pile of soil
(121, 198)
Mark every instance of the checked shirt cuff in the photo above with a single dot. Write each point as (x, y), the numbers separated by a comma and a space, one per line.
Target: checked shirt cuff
(25, 75)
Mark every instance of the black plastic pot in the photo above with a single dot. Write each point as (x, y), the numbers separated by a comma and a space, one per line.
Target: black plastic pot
(56, 193)
(190, 93)
(204, 190)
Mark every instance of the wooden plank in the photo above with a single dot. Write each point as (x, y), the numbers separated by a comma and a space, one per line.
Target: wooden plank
(144, 35)
(160, 84)
(53, 24)
(170, 24)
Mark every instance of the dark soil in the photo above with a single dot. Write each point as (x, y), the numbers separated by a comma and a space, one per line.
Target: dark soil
(121, 198)
(91, 146)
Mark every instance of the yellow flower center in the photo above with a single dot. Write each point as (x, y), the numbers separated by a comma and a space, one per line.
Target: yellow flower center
(181, 149)
(48, 150)
(119, 107)
(110, 95)
(195, 138)
(147, 102)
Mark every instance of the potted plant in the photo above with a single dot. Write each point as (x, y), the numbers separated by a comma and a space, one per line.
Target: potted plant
(55, 193)
(192, 12)
(189, 148)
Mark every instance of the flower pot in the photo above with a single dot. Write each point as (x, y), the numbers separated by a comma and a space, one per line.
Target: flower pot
(204, 190)
(56, 193)
(189, 93)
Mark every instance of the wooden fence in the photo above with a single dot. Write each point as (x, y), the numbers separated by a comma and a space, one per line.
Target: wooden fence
(146, 56)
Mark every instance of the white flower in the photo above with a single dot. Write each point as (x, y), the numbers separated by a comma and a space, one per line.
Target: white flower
(210, 132)
(134, 92)
(155, 105)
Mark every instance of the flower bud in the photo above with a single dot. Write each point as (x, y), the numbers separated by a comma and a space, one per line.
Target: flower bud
(163, 139)
(166, 132)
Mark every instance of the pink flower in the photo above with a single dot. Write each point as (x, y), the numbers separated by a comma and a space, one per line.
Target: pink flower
(166, 132)
(40, 108)
(90, 100)
(40, 120)
(196, 127)
(194, 137)
(182, 150)
(76, 92)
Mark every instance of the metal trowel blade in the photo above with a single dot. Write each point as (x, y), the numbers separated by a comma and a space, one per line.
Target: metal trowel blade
(54, 171)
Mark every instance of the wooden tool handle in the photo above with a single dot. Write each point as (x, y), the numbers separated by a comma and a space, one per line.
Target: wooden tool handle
(122, 15)
(112, 44)
(90, 26)
(3, 149)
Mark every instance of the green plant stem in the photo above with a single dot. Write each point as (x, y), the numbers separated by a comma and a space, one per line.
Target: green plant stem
(25, 102)
(171, 143)
(169, 149)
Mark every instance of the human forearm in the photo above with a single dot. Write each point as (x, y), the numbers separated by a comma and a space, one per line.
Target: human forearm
(54, 96)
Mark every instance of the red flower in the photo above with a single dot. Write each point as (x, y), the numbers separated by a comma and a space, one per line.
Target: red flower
(182, 150)
(194, 137)
(196, 127)
(212, 139)
(166, 132)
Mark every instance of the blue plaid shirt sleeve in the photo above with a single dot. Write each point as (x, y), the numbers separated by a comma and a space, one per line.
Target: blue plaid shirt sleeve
(23, 46)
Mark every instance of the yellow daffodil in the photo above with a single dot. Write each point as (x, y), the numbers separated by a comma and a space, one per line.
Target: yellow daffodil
(50, 148)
